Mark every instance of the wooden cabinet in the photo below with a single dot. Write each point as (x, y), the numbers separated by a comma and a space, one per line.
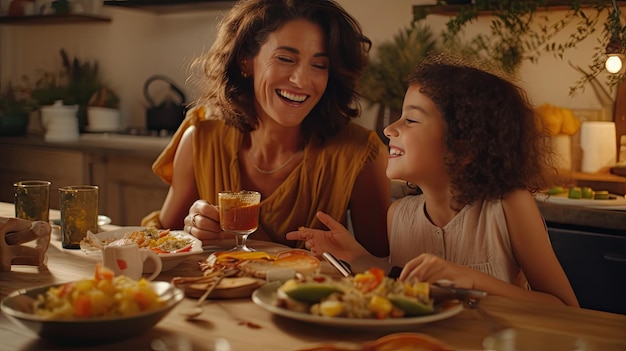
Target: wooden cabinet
(129, 189)
(60, 167)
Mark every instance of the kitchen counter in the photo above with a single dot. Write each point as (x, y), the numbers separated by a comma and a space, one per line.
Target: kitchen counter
(130, 145)
(584, 218)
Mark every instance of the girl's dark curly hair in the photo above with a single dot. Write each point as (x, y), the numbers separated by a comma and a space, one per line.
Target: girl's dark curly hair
(246, 28)
(493, 137)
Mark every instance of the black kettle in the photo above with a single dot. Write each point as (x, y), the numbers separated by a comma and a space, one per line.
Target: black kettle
(167, 115)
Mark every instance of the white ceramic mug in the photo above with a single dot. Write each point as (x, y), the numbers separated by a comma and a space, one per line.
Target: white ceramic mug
(128, 260)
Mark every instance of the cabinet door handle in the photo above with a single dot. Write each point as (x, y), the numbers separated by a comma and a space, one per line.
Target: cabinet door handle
(615, 257)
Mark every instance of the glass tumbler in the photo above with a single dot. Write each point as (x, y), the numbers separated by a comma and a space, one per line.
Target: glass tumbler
(32, 200)
(79, 213)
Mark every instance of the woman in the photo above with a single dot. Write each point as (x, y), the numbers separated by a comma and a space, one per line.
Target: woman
(278, 93)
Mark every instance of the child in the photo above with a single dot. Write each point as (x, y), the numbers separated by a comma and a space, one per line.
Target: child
(470, 141)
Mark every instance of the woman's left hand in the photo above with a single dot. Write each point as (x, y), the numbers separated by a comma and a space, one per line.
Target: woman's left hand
(430, 268)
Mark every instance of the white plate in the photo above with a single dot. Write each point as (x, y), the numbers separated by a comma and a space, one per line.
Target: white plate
(265, 297)
(170, 260)
(617, 202)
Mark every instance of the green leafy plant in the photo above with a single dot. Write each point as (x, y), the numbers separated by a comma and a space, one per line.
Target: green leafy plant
(383, 80)
(75, 83)
(521, 30)
(83, 79)
(50, 87)
(17, 100)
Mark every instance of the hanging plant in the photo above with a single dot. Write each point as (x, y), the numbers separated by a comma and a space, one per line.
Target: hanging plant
(521, 30)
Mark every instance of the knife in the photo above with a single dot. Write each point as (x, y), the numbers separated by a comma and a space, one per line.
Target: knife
(469, 297)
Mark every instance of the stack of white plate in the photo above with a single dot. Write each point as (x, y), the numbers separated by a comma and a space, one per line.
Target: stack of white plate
(60, 122)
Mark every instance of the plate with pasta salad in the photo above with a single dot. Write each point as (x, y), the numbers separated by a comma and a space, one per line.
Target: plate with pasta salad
(92, 310)
(361, 302)
(172, 246)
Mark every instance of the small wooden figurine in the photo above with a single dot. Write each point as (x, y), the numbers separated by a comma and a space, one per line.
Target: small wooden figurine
(23, 242)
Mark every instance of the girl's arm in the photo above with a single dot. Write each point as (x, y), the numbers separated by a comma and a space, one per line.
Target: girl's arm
(533, 252)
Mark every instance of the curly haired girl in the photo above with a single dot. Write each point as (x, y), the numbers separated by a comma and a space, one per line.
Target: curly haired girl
(470, 141)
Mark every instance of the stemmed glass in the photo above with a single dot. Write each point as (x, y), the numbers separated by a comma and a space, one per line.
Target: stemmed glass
(239, 214)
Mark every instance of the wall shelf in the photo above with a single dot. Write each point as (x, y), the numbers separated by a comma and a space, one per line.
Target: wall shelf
(52, 19)
(171, 6)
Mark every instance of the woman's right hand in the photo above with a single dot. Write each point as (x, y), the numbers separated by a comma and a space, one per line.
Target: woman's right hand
(203, 222)
(338, 240)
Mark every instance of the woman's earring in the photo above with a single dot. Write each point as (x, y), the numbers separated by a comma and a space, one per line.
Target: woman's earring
(243, 65)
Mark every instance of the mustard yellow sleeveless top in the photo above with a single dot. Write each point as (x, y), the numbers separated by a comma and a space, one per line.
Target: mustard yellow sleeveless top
(323, 181)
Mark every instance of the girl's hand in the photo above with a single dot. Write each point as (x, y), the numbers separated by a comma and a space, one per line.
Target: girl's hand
(430, 268)
(203, 222)
(338, 240)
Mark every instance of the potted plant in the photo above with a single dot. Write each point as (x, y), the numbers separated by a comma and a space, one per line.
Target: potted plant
(16, 104)
(103, 113)
(75, 84)
(383, 82)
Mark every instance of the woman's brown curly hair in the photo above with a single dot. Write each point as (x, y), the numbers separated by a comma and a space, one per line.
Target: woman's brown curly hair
(242, 33)
(493, 137)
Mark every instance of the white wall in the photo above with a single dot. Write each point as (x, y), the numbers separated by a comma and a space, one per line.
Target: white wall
(136, 45)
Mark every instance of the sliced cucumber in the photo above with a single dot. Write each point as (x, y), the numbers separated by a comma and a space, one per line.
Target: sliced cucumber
(311, 292)
(411, 307)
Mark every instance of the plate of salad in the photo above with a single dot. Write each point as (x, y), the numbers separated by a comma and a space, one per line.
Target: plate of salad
(366, 301)
(172, 246)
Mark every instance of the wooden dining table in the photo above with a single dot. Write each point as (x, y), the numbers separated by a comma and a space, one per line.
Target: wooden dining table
(240, 324)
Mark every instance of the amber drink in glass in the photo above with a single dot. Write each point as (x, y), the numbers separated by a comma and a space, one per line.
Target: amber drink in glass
(239, 214)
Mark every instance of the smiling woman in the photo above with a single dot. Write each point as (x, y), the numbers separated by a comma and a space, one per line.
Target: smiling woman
(277, 92)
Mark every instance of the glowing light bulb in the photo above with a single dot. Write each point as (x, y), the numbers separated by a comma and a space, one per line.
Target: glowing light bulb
(613, 64)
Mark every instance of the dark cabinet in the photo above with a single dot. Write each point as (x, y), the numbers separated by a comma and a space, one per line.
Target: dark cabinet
(595, 264)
